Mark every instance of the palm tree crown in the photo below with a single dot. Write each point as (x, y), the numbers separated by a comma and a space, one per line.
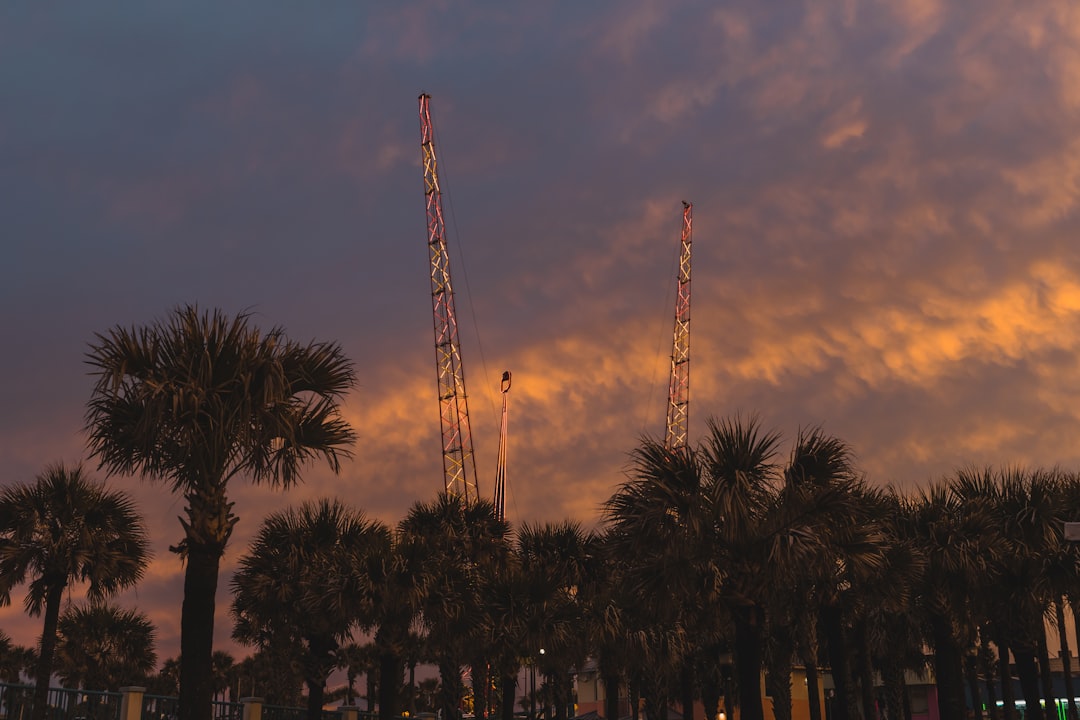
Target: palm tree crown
(103, 647)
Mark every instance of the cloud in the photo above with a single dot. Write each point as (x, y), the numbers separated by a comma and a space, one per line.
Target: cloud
(885, 218)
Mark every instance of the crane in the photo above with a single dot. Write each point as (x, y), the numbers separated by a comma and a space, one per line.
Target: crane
(678, 410)
(500, 470)
(459, 465)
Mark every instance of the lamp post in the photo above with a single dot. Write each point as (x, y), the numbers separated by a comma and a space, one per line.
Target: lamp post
(532, 689)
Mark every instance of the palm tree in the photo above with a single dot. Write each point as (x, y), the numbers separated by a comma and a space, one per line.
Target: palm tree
(1025, 507)
(167, 680)
(960, 542)
(456, 550)
(427, 696)
(13, 660)
(307, 582)
(397, 613)
(60, 530)
(659, 525)
(195, 401)
(354, 659)
(103, 647)
(554, 559)
(272, 674)
(224, 667)
(821, 473)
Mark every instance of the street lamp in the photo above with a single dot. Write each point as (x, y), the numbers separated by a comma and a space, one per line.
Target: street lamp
(532, 689)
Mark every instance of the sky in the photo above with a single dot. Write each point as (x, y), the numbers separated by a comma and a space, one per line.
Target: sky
(885, 229)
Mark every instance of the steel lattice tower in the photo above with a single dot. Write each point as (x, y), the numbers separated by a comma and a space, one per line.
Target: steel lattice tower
(459, 465)
(678, 411)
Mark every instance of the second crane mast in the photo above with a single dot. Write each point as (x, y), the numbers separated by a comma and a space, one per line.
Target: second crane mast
(678, 410)
(459, 465)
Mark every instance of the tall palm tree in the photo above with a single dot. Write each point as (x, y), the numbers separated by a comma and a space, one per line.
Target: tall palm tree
(836, 551)
(195, 401)
(554, 560)
(103, 647)
(960, 541)
(456, 550)
(660, 531)
(65, 529)
(398, 636)
(307, 582)
(1026, 509)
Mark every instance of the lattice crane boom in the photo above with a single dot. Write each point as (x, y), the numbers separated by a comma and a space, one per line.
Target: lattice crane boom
(678, 411)
(459, 465)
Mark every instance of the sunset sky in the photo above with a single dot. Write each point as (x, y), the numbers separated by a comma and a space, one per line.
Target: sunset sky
(885, 228)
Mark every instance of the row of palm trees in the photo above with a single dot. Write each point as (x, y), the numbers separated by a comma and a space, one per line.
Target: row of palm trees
(801, 560)
(708, 560)
(710, 565)
(99, 646)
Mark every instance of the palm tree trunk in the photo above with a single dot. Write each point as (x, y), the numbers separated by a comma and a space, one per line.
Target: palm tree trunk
(988, 671)
(412, 688)
(350, 686)
(991, 699)
(1008, 699)
(892, 677)
(1029, 675)
(46, 651)
(748, 640)
(778, 669)
(686, 690)
(813, 690)
(710, 687)
(372, 686)
(316, 695)
(197, 630)
(656, 699)
(866, 671)
(806, 634)
(1044, 676)
(450, 687)
(507, 693)
(832, 624)
(479, 688)
(390, 664)
(612, 686)
(971, 671)
(948, 667)
(1066, 659)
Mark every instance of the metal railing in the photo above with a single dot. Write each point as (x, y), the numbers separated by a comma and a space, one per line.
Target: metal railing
(17, 702)
(279, 712)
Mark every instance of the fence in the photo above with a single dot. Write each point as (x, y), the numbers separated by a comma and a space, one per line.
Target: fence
(16, 702)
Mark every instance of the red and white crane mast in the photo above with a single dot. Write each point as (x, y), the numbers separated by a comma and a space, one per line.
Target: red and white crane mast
(459, 465)
(678, 411)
